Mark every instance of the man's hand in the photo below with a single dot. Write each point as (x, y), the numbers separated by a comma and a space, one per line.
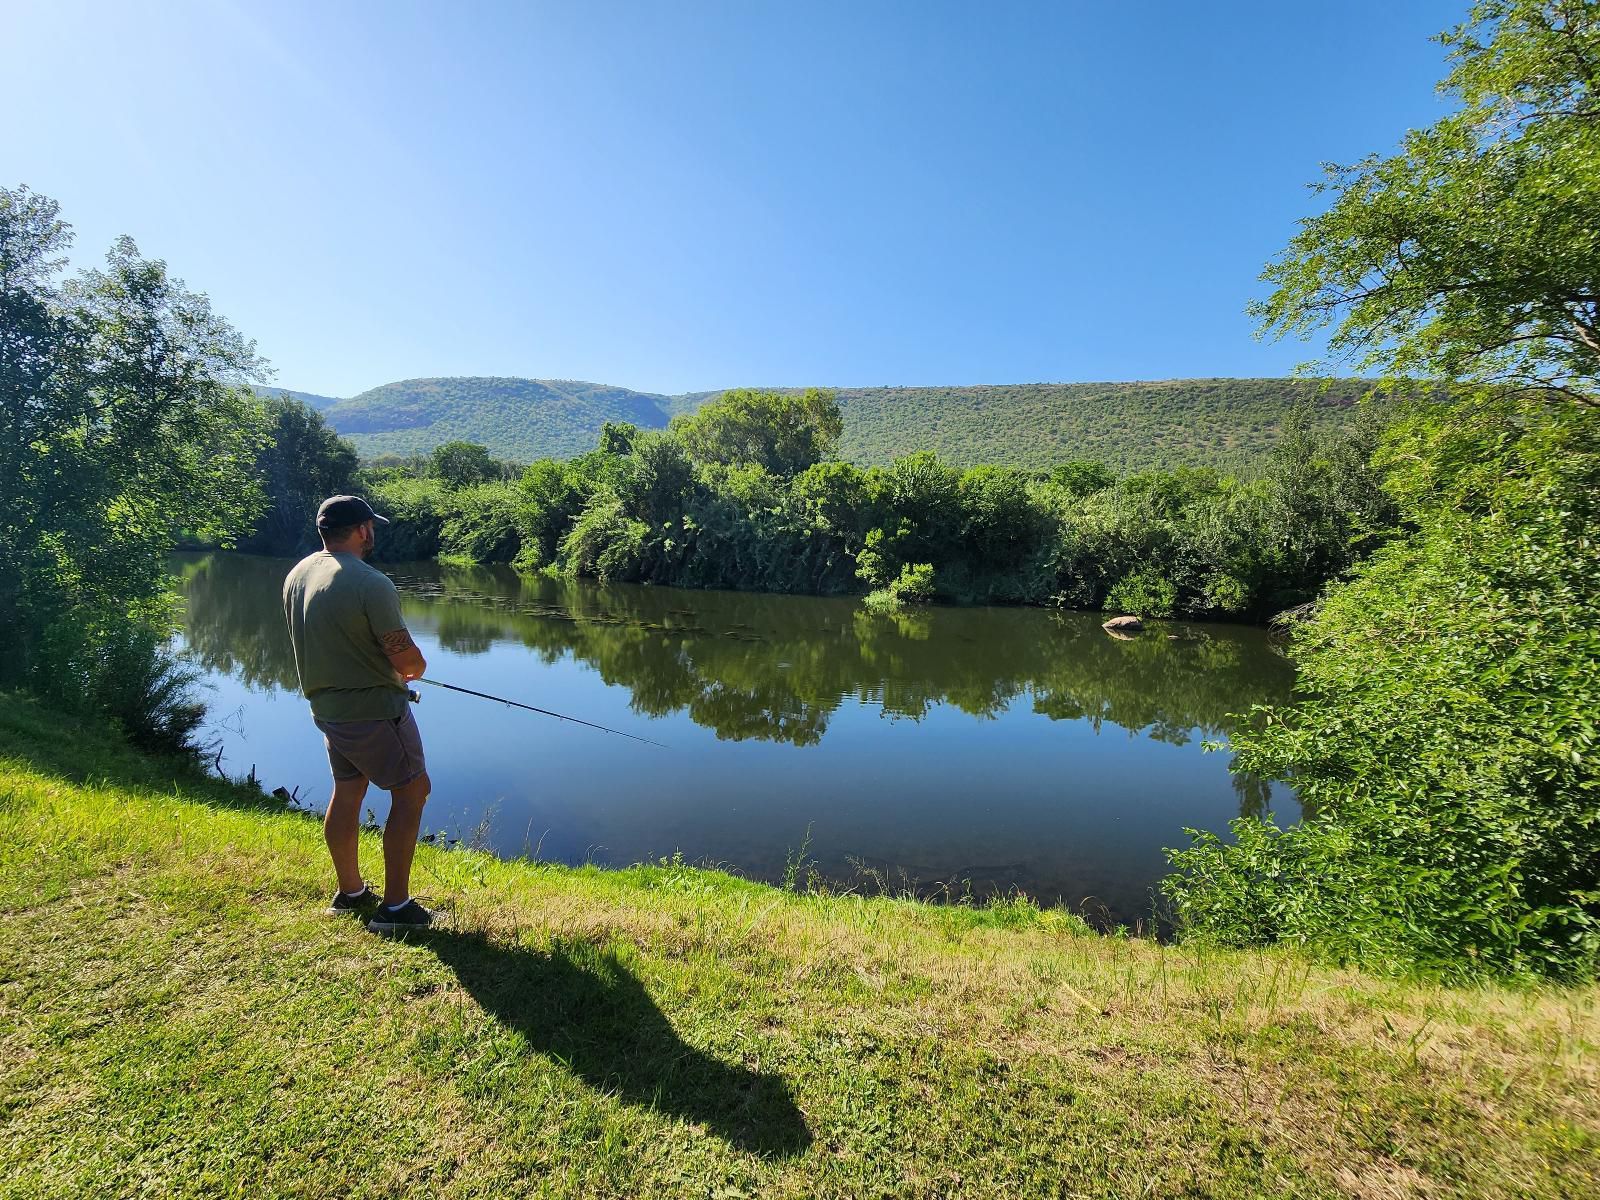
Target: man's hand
(403, 655)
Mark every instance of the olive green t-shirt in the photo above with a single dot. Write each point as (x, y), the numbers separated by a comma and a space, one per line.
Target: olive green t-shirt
(338, 608)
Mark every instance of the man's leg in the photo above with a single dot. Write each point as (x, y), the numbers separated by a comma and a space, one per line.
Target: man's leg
(400, 836)
(341, 829)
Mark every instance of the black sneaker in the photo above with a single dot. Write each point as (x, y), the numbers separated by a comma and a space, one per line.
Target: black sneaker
(360, 903)
(408, 916)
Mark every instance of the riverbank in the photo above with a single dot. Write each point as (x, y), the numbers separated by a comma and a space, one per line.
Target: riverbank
(178, 1018)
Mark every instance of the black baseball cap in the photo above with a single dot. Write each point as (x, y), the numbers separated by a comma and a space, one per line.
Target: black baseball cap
(338, 512)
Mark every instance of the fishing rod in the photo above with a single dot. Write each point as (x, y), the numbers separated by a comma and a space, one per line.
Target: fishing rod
(541, 711)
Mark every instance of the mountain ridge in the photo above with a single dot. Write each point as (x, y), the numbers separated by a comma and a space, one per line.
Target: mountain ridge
(1222, 422)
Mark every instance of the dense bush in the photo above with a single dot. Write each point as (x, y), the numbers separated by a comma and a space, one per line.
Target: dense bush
(480, 523)
(1145, 594)
(416, 508)
(1446, 749)
(1446, 745)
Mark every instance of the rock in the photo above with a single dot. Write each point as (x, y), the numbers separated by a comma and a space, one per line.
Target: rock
(1123, 625)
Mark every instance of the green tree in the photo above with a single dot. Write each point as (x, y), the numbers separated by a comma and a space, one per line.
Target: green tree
(1474, 253)
(659, 481)
(551, 497)
(1083, 476)
(481, 523)
(123, 422)
(1447, 740)
(303, 463)
(462, 464)
(617, 437)
(783, 433)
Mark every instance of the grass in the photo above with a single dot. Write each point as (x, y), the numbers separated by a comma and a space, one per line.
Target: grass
(178, 1019)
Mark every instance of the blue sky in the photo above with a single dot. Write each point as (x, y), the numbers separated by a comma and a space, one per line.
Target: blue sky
(695, 195)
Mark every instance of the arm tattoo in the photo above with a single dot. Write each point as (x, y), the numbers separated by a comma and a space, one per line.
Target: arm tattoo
(397, 642)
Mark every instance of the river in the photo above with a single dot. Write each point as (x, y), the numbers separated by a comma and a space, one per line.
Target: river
(942, 750)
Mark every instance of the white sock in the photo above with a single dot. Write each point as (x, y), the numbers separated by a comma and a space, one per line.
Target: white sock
(399, 906)
(360, 891)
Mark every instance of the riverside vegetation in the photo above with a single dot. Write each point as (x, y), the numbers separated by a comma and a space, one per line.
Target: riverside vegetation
(745, 493)
(1396, 996)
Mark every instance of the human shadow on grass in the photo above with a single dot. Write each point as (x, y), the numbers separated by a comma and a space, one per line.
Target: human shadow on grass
(577, 1003)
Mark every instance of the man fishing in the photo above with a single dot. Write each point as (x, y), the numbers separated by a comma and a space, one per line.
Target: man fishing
(355, 657)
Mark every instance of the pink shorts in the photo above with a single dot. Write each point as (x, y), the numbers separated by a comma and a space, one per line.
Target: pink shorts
(387, 752)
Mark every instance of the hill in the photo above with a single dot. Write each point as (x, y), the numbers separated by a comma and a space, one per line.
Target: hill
(1194, 422)
(1215, 422)
(518, 419)
(309, 399)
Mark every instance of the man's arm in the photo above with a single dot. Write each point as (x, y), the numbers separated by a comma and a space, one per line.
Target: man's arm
(389, 627)
(403, 654)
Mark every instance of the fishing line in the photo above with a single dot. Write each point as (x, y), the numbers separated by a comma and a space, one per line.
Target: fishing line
(543, 712)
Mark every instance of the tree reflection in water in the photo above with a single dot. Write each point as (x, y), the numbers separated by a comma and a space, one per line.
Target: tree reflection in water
(777, 667)
(1074, 815)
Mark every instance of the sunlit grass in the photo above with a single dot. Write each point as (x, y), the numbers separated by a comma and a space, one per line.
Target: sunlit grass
(177, 1018)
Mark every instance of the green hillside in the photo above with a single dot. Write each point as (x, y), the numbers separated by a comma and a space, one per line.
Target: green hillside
(518, 419)
(1217, 422)
(1198, 422)
(309, 399)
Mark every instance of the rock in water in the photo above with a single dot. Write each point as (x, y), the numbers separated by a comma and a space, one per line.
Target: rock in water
(1123, 625)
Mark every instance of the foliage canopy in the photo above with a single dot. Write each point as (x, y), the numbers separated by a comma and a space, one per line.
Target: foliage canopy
(123, 423)
(780, 433)
(1474, 253)
(301, 463)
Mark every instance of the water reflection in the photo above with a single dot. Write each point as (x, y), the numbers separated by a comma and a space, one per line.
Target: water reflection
(777, 668)
(933, 749)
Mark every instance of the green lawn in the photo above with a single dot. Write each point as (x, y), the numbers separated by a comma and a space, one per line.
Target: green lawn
(177, 1018)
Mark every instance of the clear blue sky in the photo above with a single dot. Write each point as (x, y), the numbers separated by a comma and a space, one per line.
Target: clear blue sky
(690, 195)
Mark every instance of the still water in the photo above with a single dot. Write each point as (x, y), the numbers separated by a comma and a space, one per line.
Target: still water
(996, 749)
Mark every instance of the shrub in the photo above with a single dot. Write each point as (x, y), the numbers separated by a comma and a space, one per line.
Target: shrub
(605, 543)
(481, 524)
(1445, 749)
(1226, 594)
(1144, 594)
(416, 510)
(914, 585)
(552, 496)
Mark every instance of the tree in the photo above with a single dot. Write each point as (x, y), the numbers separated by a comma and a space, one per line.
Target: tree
(617, 437)
(462, 464)
(303, 463)
(551, 496)
(1474, 253)
(1083, 476)
(124, 420)
(785, 434)
(1445, 742)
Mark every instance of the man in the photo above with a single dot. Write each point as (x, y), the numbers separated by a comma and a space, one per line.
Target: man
(355, 657)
